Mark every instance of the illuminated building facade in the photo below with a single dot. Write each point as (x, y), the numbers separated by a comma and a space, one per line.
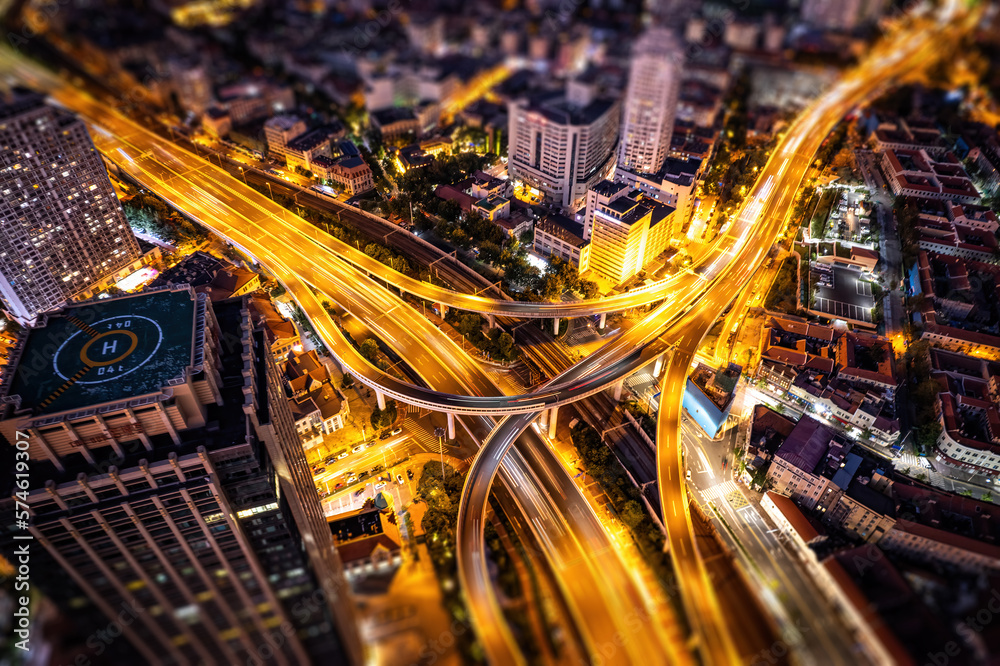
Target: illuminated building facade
(650, 102)
(63, 230)
(176, 485)
(561, 145)
(626, 232)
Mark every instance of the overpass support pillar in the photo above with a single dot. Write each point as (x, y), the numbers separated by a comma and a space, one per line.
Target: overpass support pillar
(491, 320)
(619, 385)
(553, 419)
(604, 320)
(443, 309)
(555, 326)
(658, 366)
(451, 426)
(543, 419)
(380, 397)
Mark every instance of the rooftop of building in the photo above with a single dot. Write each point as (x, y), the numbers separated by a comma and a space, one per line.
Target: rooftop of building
(196, 269)
(266, 315)
(556, 108)
(365, 521)
(565, 229)
(228, 281)
(717, 384)
(18, 100)
(226, 424)
(960, 521)
(347, 148)
(807, 444)
(352, 163)
(680, 166)
(393, 115)
(106, 350)
(607, 188)
(905, 627)
(492, 202)
(310, 140)
(804, 528)
(282, 123)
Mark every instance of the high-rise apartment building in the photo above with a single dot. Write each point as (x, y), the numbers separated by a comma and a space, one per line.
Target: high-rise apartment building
(62, 229)
(560, 145)
(169, 486)
(650, 102)
(627, 231)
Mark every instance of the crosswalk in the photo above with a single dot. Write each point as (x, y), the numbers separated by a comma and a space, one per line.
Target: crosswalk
(640, 382)
(581, 336)
(722, 489)
(907, 459)
(426, 439)
(727, 489)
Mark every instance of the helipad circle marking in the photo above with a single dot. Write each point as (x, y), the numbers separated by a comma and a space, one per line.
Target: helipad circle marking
(97, 364)
(116, 375)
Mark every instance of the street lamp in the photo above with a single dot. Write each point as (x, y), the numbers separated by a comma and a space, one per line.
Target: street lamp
(439, 432)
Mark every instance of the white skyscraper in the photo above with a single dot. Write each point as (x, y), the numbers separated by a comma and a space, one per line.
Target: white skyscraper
(561, 145)
(61, 227)
(650, 102)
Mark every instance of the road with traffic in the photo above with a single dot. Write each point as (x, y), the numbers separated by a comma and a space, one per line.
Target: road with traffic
(199, 189)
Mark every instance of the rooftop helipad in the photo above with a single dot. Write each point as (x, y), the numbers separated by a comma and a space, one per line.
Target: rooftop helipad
(106, 350)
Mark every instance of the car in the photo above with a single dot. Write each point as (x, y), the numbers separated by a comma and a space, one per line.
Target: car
(330, 460)
(380, 486)
(343, 455)
(358, 493)
(409, 474)
(359, 448)
(687, 475)
(385, 435)
(338, 486)
(352, 479)
(319, 470)
(396, 432)
(363, 475)
(399, 479)
(369, 445)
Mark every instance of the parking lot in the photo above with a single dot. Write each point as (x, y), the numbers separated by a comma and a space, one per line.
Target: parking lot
(848, 297)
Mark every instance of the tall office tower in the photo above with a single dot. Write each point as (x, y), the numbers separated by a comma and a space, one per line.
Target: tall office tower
(561, 144)
(61, 228)
(650, 102)
(170, 496)
(629, 230)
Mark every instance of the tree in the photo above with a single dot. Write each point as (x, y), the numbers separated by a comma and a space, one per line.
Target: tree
(348, 381)
(588, 289)
(502, 347)
(489, 252)
(469, 324)
(369, 349)
(383, 418)
(632, 514)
